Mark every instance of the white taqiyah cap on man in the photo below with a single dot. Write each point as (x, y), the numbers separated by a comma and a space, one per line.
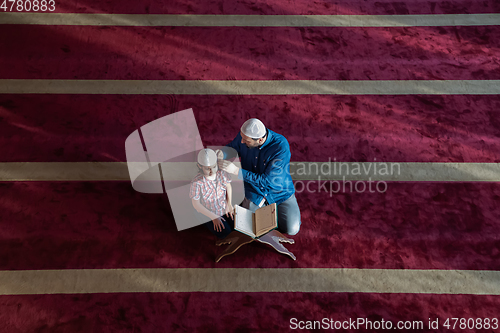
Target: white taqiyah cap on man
(207, 157)
(253, 128)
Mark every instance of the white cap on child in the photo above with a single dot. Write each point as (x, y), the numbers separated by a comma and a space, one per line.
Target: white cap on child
(253, 128)
(207, 157)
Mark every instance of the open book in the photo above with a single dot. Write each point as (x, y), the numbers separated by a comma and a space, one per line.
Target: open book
(256, 224)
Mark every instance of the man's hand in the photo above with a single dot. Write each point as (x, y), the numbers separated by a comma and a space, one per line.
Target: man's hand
(220, 154)
(228, 167)
(218, 225)
(230, 210)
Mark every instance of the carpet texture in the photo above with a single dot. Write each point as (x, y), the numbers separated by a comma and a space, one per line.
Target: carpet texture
(233, 312)
(106, 225)
(276, 7)
(62, 225)
(419, 128)
(250, 53)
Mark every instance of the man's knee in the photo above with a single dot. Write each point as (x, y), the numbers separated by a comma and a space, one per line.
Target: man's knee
(290, 226)
(293, 229)
(289, 219)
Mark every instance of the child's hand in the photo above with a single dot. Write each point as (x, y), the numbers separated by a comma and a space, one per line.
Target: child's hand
(218, 225)
(230, 210)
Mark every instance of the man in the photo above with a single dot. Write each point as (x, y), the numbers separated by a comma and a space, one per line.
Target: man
(265, 160)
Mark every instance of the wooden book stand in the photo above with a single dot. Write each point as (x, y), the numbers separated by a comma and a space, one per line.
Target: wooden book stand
(237, 239)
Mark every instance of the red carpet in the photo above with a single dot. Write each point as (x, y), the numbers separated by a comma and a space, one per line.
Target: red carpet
(107, 225)
(276, 7)
(233, 312)
(198, 53)
(415, 128)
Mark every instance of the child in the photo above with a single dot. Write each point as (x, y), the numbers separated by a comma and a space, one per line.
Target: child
(211, 195)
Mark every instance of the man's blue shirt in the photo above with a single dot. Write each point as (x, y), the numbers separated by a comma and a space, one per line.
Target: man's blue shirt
(265, 169)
